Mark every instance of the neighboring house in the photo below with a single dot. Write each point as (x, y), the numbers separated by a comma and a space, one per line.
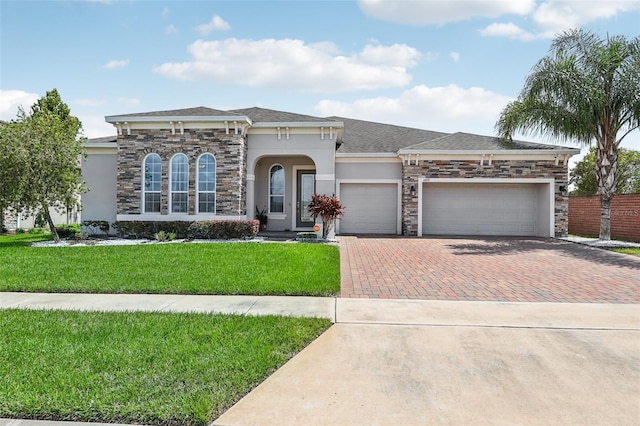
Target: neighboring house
(13, 220)
(205, 164)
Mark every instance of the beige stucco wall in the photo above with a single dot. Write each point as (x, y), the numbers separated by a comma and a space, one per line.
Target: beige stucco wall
(376, 169)
(99, 170)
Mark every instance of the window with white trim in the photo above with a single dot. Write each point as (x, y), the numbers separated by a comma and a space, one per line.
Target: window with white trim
(206, 184)
(276, 189)
(179, 184)
(152, 183)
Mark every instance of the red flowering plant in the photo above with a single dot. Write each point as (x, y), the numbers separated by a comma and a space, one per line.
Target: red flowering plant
(328, 208)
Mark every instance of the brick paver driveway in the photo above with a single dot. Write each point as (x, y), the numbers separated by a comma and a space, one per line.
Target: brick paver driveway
(490, 269)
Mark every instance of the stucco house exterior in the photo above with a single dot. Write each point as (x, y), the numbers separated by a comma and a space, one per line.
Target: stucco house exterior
(207, 164)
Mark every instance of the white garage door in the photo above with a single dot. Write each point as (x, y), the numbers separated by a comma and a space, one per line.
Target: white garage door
(483, 209)
(370, 208)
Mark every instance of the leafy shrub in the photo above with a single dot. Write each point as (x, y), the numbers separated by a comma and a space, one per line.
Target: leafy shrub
(148, 229)
(36, 231)
(95, 225)
(307, 236)
(214, 229)
(68, 231)
(328, 207)
(224, 229)
(20, 231)
(164, 236)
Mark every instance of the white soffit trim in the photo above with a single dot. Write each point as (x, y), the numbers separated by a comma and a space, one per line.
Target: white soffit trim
(293, 124)
(176, 118)
(436, 153)
(486, 180)
(89, 145)
(381, 157)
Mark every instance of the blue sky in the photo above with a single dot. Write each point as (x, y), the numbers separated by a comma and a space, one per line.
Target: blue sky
(445, 65)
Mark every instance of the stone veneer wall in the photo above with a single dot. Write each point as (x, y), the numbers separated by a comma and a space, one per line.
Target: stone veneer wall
(472, 169)
(230, 152)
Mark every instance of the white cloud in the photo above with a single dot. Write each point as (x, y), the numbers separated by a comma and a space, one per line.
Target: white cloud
(552, 17)
(88, 102)
(216, 24)
(170, 29)
(111, 65)
(129, 101)
(292, 64)
(399, 55)
(555, 16)
(165, 12)
(438, 12)
(10, 100)
(94, 126)
(455, 56)
(450, 108)
(509, 30)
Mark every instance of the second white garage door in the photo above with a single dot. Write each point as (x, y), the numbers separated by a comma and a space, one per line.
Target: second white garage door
(485, 209)
(370, 208)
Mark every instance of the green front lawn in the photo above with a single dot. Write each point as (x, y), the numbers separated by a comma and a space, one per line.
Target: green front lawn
(189, 268)
(630, 250)
(148, 368)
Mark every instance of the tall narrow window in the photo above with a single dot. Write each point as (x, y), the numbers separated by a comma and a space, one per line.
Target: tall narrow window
(206, 184)
(152, 183)
(276, 189)
(179, 184)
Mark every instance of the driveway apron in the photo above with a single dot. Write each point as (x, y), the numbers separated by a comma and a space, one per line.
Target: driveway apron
(486, 269)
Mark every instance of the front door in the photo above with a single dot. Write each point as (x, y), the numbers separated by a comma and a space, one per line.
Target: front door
(306, 187)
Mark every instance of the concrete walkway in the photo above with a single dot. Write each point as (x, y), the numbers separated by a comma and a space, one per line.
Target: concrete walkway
(424, 362)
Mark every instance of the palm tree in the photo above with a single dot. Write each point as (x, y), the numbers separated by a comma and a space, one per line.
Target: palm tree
(586, 90)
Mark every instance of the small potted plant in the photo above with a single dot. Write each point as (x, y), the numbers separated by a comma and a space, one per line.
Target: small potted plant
(261, 216)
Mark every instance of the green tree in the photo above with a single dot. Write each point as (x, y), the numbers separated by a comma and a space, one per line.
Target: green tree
(12, 163)
(586, 90)
(47, 151)
(583, 175)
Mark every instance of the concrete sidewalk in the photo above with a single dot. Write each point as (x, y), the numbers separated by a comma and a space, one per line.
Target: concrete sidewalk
(298, 306)
(424, 361)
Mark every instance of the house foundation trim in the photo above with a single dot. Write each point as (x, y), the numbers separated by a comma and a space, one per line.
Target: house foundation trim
(175, 217)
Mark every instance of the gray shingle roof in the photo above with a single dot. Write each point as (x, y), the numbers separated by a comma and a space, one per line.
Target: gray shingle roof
(186, 112)
(104, 139)
(469, 142)
(257, 114)
(369, 137)
(361, 136)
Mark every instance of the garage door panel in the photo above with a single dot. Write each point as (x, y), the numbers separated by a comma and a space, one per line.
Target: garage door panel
(480, 209)
(370, 208)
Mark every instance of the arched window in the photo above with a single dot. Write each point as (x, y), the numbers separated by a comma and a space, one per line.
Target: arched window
(152, 183)
(276, 189)
(206, 184)
(179, 184)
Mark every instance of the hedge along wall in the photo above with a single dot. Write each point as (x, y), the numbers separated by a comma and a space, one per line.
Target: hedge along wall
(584, 216)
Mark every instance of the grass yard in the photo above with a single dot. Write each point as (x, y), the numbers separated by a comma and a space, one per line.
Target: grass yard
(149, 368)
(220, 268)
(630, 250)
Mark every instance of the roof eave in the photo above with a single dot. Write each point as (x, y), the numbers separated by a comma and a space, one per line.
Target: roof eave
(564, 151)
(166, 118)
(367, 154)
(272, 124)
